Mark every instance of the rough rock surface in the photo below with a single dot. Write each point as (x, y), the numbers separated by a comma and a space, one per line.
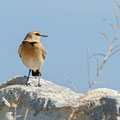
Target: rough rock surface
(53, 102)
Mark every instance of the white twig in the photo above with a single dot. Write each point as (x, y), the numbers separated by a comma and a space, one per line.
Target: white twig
(26, 113)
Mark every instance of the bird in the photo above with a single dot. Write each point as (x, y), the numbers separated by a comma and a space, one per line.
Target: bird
(32, 54)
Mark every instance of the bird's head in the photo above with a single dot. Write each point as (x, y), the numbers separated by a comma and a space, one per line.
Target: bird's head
(34, 36)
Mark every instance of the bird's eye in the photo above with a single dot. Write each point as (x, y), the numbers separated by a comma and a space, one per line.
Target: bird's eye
(37, 34)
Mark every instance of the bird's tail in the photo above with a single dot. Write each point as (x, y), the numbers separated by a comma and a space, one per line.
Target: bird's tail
(37, 73)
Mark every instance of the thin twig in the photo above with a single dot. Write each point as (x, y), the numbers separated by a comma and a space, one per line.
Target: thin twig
(116, 17)
(117, 46)
(26, 113)
(106, 37)
(109, 54)
(97, 54)
(101, 67)
(114, 53)
(110, 23)
(14, 106)
(103, 55)
(76, 109)
(98, 64)
(88, 66)
(64, 74)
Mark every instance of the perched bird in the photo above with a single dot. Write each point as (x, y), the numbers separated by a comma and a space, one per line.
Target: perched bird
(32, 53)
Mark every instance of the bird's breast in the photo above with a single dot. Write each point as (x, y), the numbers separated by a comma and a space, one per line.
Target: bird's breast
(31, 55)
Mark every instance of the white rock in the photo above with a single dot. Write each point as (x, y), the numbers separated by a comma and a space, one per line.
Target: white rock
(53, 102)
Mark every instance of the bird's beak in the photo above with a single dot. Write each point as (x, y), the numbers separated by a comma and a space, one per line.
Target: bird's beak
(44, 35)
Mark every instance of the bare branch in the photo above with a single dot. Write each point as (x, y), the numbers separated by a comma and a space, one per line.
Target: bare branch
(114, 53)
(98, 63)
(99, 82)
(82, 99)
(110, 23)
(116, 17)
(64, 74)
(15, 110)
(101, 67)
(26, 113)
(117, 46)
(117, 3)
(97, 54)
(107, 38)
(88, 66)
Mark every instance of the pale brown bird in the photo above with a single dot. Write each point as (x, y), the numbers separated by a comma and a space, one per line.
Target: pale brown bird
(32, 53)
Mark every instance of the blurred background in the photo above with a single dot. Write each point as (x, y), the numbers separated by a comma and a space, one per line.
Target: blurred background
(71, 26)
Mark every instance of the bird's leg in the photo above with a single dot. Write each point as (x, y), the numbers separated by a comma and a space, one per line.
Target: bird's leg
(28, 78)
(39, 79)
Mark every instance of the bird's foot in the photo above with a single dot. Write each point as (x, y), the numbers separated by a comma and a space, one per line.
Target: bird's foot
(39, 85)
(27, 84)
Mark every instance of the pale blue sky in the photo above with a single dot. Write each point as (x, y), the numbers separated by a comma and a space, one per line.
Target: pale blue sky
(71, 25)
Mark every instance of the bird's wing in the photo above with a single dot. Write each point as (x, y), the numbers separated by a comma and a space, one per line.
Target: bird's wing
(43, 53)
(19, 50)
(41, 48)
